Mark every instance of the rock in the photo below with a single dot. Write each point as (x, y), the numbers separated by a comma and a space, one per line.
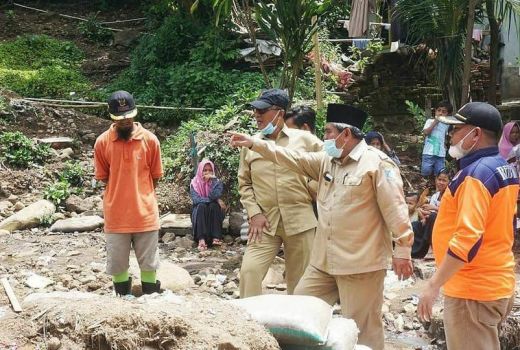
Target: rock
(5, 205)
(89, 138)
(35, 281)
(424, 270)
(275, 273)
(66, 153)
(230, 287)
(4, 232)
(53, 344)
(389, 317)
(79, 224)
(183, 242)
(57, 216)
(28, 217)
(13, 198)
(399, 323)
(19, 206)
(58, 142)
(79, 205)
(172, 277)
(168, 237)
(410, 309)
(228, 239)
(236, 220)
(180, 224)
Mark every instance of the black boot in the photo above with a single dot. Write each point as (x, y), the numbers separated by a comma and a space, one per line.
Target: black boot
(149, 288)
(123, 288)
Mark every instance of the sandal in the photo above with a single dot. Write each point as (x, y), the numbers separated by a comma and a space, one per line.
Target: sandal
(202, 245)
(217, 242)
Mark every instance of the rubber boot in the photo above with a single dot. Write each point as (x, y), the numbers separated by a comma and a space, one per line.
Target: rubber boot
(123, 288)
(149, 288)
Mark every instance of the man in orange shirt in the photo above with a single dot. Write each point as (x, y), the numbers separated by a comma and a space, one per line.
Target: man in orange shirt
(127, 157)
(473, 234)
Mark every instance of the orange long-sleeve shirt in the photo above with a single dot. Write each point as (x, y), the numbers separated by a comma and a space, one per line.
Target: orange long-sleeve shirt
(475, 224)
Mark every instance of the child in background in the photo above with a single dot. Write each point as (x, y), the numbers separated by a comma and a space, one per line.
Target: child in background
(434, 150)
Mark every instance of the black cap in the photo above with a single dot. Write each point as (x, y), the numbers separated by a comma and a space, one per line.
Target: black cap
(121, 105)
(346, 114)
(479, 114)
(271, 97)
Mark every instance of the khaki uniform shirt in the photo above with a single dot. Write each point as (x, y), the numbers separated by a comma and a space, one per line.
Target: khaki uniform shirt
(275, 191)
(361, 207)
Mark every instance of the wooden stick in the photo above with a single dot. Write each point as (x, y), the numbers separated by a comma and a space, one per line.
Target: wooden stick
(10, 294)
(54, 103)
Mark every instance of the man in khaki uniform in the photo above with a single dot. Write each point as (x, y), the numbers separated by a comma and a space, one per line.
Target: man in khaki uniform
(276, 199)
(361, 210)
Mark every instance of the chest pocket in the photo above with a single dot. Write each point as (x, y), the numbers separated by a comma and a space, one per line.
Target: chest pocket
(352, 188)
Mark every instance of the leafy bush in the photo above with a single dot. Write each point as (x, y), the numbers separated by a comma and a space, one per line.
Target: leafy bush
(187, 64)
(18, 150)
(93, 30)
(57, 192)
(210, 134)
(417, 112)
(39, 66)
(367, 55)
(73, 173)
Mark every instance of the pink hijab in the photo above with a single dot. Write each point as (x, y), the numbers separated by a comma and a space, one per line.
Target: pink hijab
(504, 145)
(199, 185)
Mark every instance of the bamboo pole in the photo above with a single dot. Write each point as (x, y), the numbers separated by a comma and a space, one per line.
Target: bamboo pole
(466, 75)
(317, 67)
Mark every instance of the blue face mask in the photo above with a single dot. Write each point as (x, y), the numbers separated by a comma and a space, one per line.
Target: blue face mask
(270, 128)
(329, 146)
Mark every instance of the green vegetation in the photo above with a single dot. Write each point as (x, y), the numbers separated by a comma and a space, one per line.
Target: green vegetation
(39, 66)
(18, 150)
(58, 192)
(93, 30)
(417, 112)
(186, 64)
(73, 173)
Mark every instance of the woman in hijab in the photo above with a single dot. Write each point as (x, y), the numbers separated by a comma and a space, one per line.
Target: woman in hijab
(510, 138)
(208, 209)
(376, 139)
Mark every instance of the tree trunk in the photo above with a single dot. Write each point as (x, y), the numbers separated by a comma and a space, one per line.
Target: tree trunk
(493, 52)
(466, 75)
(251, 31)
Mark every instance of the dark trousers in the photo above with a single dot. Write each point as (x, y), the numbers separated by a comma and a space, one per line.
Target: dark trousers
(208, 222)
(422, 236)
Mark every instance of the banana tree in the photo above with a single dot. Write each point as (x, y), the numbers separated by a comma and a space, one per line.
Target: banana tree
(290, 23)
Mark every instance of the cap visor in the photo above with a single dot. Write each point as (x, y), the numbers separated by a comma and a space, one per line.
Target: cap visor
(127, 115)
(260, 104)
(450, 120)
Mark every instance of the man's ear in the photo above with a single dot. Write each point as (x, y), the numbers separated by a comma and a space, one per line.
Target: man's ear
(306, 127)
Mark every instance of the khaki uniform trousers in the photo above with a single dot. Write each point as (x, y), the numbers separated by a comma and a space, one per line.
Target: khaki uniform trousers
(360, 295)
(260, 255)
(472, 324)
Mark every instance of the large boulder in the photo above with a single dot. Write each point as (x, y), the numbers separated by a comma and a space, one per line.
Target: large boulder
(78, 224)
(29, 216)
(172, 277)
(180, 224)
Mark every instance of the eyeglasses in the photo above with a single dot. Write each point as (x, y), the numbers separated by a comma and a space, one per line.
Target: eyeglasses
(265, 110)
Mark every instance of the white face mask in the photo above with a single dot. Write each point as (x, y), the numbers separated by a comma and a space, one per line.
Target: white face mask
(457, 152)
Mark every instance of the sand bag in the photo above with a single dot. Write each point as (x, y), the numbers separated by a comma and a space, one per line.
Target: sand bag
(343, 335)
(292, 319)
